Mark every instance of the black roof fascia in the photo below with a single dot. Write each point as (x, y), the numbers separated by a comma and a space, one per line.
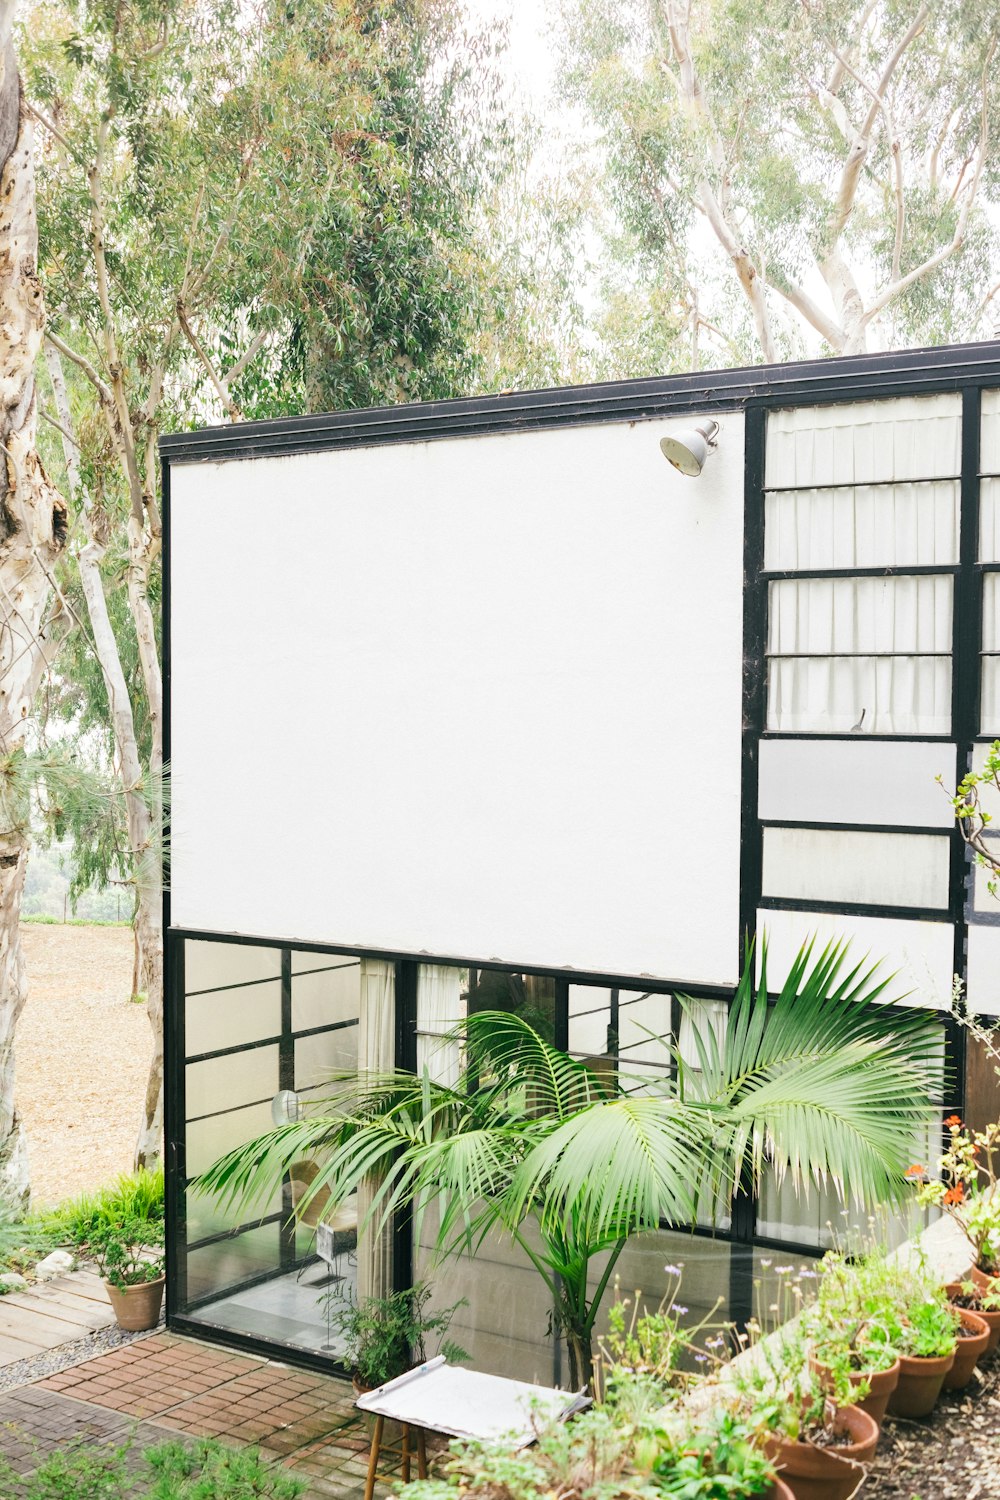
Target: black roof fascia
(857, 377)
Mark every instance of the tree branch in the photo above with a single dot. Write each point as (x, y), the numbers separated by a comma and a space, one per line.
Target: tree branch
(213, 374)
(83, 364)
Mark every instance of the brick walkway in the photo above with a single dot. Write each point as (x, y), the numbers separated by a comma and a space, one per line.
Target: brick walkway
(172, 1386)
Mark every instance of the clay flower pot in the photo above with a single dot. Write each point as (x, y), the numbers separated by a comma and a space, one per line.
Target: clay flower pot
(990, 1318)
(882, 1383)
(778, 1491)
(920, 1382)
(136, 1307)
(972, 1345)
(832, 1473)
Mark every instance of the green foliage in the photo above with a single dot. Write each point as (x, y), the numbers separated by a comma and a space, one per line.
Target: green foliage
(133, 1196)
(122, 1251)
(718, 1461)
(798, 150)
(22, 1238)
(824, 1083)
(201, 1470)
(386, 1336)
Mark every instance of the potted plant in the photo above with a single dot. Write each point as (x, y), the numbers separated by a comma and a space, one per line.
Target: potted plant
(967, 1191)
(973, 1335)
(854, 1328)
(129, 1256)
(819, 1440)
(386, 1336)
(928, 1338)
(984, 1301)
(711, 1456)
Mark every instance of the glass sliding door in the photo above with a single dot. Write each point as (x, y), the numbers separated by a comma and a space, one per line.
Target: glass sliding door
(266, 1031)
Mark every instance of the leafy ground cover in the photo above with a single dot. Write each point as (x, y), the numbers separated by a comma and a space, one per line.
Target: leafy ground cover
(204, 1470)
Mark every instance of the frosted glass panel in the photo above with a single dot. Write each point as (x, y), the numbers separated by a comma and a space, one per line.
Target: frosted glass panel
(864, 694)
(989, 520)
(989, 722)
(230, 1262)
(870, 526)
(703, 1016)
(918, 955)
(211, 1138)
(983, 992)
(855, 781)
(322, 998)
(877, 869)
(638, 1016)
(908, 615)
(983, 900)
(228, 1018)
(989, 454)
(904, 437)
(225, 1082)
(209, 966)
(317, 1057)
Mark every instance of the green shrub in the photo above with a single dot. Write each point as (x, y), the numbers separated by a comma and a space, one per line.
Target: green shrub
(133, 1195)
(203, 1470)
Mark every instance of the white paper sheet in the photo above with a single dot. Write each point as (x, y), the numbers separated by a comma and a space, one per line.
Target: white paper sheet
(467, 1403)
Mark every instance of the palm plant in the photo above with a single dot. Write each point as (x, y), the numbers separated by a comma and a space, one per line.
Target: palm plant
(825, 1083)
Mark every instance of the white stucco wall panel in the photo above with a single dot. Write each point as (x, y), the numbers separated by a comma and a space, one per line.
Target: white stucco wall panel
(461, 698)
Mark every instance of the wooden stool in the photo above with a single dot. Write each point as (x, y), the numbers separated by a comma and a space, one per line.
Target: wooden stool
(405, 1454)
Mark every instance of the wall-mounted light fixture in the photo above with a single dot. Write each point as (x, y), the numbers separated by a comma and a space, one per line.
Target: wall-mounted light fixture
(690, 449)
(286, 1107)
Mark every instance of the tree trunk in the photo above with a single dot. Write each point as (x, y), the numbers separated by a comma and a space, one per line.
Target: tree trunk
(140, 815)
(32, 535)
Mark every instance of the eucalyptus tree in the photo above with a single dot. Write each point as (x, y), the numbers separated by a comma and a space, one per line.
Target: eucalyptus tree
(33, 527)
(825, 168)
(826, 1083)
(244, 210)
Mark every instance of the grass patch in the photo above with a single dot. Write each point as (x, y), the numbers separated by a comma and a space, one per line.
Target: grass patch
(133, 1195)
(39, 919)
(203, 1470)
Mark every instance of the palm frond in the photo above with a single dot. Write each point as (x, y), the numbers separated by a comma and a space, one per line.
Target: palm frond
(502, 1046)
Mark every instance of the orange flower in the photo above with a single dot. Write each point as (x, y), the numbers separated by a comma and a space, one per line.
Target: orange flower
(954, 1194)
(953, 1122)
(916, 1170)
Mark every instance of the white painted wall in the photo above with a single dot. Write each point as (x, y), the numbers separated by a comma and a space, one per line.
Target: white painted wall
(461, 697)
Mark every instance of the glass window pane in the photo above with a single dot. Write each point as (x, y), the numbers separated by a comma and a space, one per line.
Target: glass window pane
(861, 694)
(213, 1270)
(989, 520)
(644, 1035)
(879, 869)
(862, 442)
(989, 457)
(325, 995)
(213, 1136)
(227, 1018)
(855, 781)
(990, 712)
(860, 616)
(235, 1079)
(328, 1052)
(531, 996)
(983, 989)
(900, 525)
(209, 966)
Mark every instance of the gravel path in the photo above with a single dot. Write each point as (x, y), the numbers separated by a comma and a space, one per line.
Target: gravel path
(52, 1361)
(954, 1455)
(83, 1053)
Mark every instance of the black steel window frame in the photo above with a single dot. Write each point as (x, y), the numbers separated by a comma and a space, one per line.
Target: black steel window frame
(753, 391)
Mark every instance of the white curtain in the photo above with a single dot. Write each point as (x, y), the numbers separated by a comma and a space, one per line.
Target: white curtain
(439, 1009)
(871, 655)
(865, 442)
(989, 454)
(862, 526)
(376, 1054)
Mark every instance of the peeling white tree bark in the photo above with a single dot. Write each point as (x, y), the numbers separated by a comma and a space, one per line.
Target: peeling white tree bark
(139, 812)
(32, 535)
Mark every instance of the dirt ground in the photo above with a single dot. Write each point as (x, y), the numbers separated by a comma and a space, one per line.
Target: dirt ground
(83, 1054)
(953, 1455)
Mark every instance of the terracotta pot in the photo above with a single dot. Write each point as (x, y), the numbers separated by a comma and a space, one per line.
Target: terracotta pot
(982, 1279)
(882, 1383)
(970, 1350)
(136, 1307)
(828, 1473)
(991, 1319)
(920, 1382)
(778, 1491)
